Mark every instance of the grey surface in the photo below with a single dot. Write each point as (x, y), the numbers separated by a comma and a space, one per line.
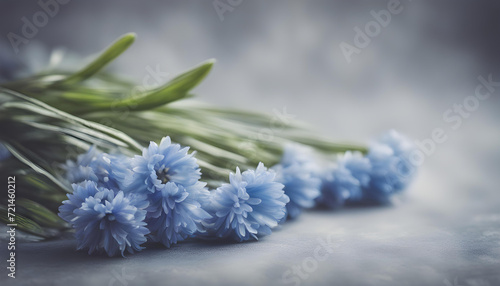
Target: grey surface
(443, 232)
(284, 54)
(410, 243)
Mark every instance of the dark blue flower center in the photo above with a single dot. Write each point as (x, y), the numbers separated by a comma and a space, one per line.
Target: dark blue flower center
(163, 175)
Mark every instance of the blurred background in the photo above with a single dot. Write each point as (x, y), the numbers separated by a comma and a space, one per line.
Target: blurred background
(287, 55)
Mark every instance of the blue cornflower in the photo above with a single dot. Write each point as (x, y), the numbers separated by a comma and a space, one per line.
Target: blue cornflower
(160, 164)
(300, 186)
(392, 169)
(106, 221)
(344, 181)
(249, 206)
(75, 200)
(4, 152)
(400, 145)
(298, 172)
(169, 177)
(294, 153)
(337, 186)
(174, 214)
(359, 167)
(106, 170)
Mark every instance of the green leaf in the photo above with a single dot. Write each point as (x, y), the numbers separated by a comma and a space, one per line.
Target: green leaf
(175, 89)
(35, 167)
(24, 224)
(112, 52)
(39, 213)
(86, 134)
(46, 110)
(328, 146)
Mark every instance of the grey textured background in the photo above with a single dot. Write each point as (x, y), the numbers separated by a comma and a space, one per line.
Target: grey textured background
(285, 54)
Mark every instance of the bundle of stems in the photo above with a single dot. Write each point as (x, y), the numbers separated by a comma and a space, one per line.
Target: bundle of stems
(53, 116)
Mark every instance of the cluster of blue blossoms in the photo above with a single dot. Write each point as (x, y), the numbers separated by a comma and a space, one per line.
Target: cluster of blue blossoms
(119, 203)
(372, 179)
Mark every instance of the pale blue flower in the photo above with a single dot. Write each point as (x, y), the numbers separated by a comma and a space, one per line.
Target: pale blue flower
(338, 185)
(359, 166)
(344, 181)
(174, 214)
(402, 148)
(160, 164)
(392, 169)
(298, 172)
(75, 200)
(294, 153)
(249, 206)
(300, 186)
(106, 170)
(169, 177)
(108, 221)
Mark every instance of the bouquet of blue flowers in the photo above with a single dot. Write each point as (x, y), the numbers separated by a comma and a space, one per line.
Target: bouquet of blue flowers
(96, 157)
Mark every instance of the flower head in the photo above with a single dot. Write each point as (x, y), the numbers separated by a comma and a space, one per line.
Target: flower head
(300, 186)
(249, 206)
(75, 200)
(108, 221)
(392, 169)
(160, 164)
(294, 153)
(345, 180)
(359, 167)
(169, 177)
(298, 172)
(174, 214)
(338, 185)
(106, 170)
